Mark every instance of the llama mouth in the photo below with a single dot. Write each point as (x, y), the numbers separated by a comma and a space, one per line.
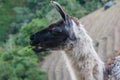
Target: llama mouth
(38, 49)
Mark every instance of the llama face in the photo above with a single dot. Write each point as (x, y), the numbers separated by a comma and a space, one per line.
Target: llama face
(56, 36)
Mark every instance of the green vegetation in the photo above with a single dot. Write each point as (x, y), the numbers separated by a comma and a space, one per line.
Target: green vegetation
(18, 20)
(20, 64)
(17, 60)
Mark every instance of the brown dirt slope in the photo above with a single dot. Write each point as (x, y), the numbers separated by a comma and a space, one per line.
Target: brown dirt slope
(104, 27)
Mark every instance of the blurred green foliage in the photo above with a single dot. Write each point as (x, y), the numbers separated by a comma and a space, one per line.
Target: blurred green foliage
(18, 20)
(17, 60)
(20, 64)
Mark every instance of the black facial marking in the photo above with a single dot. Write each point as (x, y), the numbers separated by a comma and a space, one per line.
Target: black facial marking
(52, 37)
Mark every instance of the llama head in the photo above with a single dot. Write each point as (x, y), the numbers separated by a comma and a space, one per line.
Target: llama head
(59, 35)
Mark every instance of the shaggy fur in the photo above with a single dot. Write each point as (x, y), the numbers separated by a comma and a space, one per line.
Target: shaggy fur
(83, 57)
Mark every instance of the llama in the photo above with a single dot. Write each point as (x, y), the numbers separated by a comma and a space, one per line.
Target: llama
(69, 35)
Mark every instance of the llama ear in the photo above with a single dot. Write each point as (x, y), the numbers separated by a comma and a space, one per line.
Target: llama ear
(60, 10)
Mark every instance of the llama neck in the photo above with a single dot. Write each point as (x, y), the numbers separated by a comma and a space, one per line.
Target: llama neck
(83, 47)
(82, 52)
